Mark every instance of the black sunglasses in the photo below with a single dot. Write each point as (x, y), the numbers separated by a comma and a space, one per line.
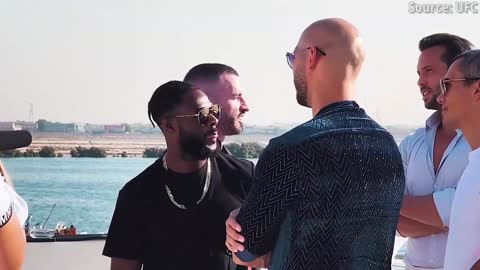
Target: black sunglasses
(445, 83)
(204, 114)
(291, 56)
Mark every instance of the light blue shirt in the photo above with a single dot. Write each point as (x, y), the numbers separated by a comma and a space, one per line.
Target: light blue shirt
(420, 179)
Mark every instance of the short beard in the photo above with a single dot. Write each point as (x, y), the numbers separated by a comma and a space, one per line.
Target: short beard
(433, 104)
(231, 126)
(301, 87)
(194, 148)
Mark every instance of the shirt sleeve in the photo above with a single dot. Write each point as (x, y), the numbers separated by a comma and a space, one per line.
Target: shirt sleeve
(20, 207)
(404, 148)
(463, 244)
(123, 239)
(277, 185)
(6, 204)
(443, 202)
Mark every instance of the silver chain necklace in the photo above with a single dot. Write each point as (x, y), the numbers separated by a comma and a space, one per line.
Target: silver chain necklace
(205, 188)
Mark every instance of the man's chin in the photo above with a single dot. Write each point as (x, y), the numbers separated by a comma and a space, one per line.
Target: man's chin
(433, 105)
(234, 129)
(212, 146)
(209, 150)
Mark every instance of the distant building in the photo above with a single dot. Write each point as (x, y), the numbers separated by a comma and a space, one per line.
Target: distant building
(115, 128)
(79, 127)
(145, 129)
(64, 128)
(94, 129)
(30, 126)
(9, 126)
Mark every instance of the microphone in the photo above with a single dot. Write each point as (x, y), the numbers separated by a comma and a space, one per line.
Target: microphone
(14, 139)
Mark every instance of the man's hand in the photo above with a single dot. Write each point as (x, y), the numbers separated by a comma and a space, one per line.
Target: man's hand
(261, 262)
(233, 229)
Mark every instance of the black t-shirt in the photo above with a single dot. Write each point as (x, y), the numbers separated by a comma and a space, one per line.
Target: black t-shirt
(146, 225)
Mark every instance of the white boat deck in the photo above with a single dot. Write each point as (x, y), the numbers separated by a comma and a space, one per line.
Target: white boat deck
(84, 255)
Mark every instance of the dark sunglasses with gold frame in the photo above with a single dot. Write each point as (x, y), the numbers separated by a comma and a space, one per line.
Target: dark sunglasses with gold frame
(203, 114)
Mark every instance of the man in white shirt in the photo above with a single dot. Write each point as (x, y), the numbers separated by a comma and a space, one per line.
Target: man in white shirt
(434, 158)
(13, 209)
(460, 101)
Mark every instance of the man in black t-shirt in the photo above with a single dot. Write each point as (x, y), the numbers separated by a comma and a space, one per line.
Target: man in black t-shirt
(193, 185)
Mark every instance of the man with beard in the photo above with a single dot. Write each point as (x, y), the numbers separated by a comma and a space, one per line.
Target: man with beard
(326, 194)
(221, 83)
(434, 158)
(193, 185)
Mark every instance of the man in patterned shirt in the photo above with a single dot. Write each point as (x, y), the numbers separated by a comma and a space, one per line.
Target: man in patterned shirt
(326, 194)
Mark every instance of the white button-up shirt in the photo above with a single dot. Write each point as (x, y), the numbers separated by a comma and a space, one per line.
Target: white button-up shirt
(420, 180)
(463, 245)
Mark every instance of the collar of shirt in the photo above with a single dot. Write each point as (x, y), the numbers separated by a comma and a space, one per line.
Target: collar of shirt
(434, 121)
(223, 149)
(474, 155)
(337, 105)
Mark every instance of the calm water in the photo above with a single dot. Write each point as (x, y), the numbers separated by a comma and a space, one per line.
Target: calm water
(84, 189)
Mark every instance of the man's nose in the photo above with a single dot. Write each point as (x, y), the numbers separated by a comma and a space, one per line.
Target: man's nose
(212, 120)
(421, 81)
(244, 106)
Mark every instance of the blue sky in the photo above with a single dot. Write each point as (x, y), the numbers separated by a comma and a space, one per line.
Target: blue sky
(100, 61)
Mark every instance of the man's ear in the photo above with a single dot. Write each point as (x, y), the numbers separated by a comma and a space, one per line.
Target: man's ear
(312, 58)
(476, 94)
(168, 126)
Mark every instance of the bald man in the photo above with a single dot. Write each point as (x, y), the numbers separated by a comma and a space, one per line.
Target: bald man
(326, 194)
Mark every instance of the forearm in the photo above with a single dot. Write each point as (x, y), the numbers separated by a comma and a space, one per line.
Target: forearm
(413, 229)
(421, 209)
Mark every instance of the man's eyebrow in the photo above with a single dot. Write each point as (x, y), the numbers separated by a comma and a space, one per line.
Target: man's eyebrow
(427, 66)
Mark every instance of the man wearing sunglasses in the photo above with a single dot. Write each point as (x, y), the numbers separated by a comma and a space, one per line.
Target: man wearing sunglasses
(434, 158)
(326, 194)
(221, 83)
(460, 100)
(172, 215)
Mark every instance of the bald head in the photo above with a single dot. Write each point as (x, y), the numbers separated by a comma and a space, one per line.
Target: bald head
(340, 40)
(328, 59)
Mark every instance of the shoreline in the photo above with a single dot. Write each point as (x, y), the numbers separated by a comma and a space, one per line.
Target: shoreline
(115, 144)
(134, 144)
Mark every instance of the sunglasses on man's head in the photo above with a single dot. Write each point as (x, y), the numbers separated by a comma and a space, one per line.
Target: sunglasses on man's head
(204, 114)
(445, 83)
